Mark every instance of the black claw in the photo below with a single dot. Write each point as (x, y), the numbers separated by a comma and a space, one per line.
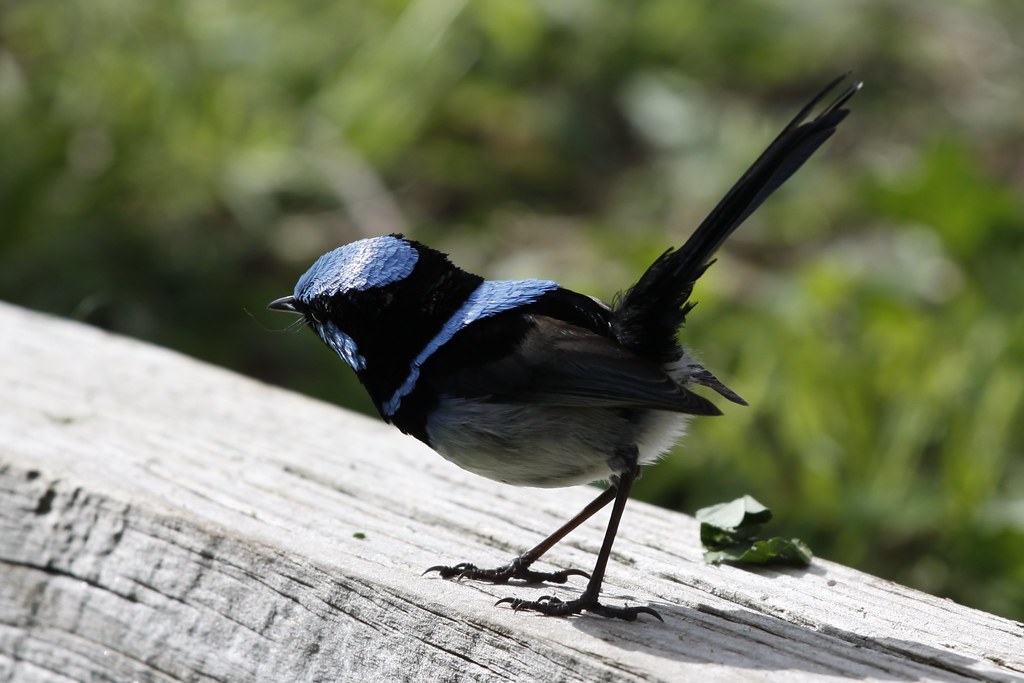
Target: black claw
(626, 613)
(549, 605)
(515, 570)
(455, 572)
(651, 611)
(563, 576)
(552, 606)
(515, 604)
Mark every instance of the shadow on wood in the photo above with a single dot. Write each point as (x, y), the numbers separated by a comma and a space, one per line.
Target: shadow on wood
(165, 520)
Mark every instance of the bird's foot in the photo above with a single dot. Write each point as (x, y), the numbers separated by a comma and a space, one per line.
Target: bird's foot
(517, 569)
(555, 607)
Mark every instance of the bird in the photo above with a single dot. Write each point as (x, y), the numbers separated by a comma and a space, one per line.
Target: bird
(532, 384)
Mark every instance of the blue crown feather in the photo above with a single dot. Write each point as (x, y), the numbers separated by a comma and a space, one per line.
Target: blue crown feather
(361, 265)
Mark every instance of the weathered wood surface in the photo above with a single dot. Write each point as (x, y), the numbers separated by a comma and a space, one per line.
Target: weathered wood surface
(164, 520)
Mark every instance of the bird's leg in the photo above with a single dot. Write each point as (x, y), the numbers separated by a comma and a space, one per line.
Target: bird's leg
(519, 568)
(588, 600)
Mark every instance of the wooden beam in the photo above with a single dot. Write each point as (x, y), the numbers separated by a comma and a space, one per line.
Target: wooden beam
(165, 520)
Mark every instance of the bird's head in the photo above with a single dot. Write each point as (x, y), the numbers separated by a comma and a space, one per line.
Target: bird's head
(347, 289)
(377, 301)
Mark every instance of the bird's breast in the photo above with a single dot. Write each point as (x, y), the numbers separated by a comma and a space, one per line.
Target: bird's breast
(547, 446)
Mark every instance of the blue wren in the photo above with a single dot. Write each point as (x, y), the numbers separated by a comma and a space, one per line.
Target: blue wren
(531, 384)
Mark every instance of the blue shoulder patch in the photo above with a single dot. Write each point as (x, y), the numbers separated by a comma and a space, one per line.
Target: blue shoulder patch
(490, 298)
(361, 265)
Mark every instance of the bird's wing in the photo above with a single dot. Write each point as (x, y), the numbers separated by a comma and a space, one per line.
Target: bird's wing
(561, 364)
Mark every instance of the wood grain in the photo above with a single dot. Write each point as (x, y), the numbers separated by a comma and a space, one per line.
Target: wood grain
(165, 520)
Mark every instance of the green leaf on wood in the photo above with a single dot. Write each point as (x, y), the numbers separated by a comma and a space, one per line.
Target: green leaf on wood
(772, 551)
(728, 532)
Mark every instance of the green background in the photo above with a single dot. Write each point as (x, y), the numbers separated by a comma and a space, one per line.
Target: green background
(166, 168)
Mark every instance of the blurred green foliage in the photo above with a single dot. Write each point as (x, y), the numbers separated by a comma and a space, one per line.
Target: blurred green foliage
(168, 168)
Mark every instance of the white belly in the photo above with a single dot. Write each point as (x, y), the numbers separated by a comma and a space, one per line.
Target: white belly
(548, 446)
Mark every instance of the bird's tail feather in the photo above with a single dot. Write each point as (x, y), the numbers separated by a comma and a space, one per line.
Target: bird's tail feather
(648, 315)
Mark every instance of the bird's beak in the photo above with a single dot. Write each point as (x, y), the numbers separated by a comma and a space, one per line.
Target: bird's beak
(285, 303)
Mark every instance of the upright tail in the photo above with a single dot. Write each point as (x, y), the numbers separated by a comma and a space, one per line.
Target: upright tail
(647, 317)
